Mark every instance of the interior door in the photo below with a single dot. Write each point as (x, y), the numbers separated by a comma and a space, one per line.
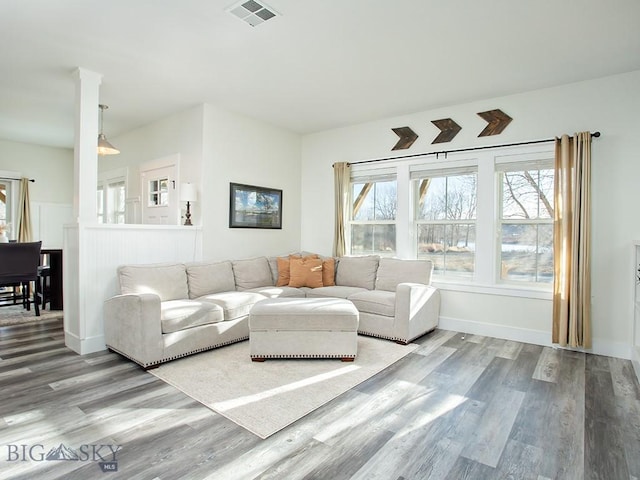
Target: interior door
(159, 198)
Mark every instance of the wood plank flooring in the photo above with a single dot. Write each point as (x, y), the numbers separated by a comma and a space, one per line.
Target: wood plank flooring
(459, 407)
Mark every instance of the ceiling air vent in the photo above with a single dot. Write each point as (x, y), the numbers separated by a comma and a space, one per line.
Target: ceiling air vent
(252, 12)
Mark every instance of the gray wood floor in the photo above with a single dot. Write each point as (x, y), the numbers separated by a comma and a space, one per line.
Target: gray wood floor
(457, 408)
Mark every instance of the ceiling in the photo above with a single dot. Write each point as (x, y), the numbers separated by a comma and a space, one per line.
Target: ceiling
(320, 64)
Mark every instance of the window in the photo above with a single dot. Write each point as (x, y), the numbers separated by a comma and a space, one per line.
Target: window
(100, 204)
(116, 202)
(112, 190)
(484, 218)
(445, 219)
(159, 192)
(8, 203)
(5, 208)
(526, 222)
(373, 216)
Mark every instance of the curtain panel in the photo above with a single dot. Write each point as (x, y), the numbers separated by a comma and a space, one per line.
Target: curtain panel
(572, 241)
(342, 181)
(24, 213)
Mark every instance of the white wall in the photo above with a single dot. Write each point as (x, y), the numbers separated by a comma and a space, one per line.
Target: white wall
(239, 149)
(178, 134)
(610, 105)
(51, 194)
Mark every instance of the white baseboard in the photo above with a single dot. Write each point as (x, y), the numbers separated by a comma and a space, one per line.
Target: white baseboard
(84, 346)
(635, 359)
(536, 337)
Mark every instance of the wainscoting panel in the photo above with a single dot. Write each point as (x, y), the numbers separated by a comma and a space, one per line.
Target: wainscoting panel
(92, 254)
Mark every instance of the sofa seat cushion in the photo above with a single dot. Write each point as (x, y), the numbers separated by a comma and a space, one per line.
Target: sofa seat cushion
(378, 302)
(336, 291)
(234, 304)
(277, 292)
(176, 315)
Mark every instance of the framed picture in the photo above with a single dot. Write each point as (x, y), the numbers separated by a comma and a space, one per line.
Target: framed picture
(254, 207)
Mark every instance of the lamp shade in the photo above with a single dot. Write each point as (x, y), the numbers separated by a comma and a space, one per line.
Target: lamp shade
(188, 192)
(104, 147)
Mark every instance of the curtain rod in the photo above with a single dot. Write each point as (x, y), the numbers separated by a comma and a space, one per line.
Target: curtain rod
(32, 180)
(469, 149)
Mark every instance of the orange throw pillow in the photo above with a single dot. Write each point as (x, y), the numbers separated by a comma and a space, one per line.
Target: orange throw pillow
(283, 272)
(305, 272)
(329, 272)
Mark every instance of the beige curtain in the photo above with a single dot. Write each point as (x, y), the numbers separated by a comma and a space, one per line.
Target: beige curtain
(572, 242)
(24, 212)
(341, 180)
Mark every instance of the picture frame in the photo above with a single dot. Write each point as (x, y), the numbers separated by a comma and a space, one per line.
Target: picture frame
(251, 206)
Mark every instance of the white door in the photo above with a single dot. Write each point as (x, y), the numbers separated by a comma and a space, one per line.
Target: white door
(159, 196)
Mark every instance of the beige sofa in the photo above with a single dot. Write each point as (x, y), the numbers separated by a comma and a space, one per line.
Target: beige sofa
(167, 311)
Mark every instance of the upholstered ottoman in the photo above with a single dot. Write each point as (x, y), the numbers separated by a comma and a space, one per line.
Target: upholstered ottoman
(303, 328)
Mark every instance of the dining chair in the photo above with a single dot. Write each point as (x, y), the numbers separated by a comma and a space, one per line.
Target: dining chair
(19, 268)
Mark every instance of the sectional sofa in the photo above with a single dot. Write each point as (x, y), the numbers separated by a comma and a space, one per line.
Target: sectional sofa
(167, 311)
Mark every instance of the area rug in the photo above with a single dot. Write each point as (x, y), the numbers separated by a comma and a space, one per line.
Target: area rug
(16, 315)
(266, 397)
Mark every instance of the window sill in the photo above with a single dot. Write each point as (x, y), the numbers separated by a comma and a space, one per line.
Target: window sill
(507, 290)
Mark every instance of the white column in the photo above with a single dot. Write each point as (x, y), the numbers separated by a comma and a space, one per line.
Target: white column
(86, 137)
(80, 323)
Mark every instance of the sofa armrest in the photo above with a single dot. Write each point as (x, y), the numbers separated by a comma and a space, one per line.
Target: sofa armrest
(132, 327)
(417, 310)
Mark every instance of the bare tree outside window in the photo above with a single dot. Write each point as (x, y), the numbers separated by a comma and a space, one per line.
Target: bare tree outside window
(374, 209)
(445, 218)
(527, 225)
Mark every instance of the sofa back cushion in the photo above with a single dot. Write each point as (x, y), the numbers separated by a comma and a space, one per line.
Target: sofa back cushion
(210, 277)
(252, 273)
(167, 280)
(357, 271)
(392, 271)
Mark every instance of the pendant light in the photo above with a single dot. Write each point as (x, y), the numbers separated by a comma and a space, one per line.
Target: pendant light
(104, 147)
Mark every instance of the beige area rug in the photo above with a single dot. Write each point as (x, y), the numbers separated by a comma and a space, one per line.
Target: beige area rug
(16, 315)
(266, 397)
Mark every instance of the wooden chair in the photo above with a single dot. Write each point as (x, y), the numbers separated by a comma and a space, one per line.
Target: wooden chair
(43, 294)
(19, 268)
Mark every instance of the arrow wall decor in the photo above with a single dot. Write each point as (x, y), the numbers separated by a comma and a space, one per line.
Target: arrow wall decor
(407, 137)
(498, 121)
(448, 130)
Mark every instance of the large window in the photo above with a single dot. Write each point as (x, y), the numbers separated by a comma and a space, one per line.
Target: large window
(374, 204)
(526, 222)
(483, 217)
(445, 218)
